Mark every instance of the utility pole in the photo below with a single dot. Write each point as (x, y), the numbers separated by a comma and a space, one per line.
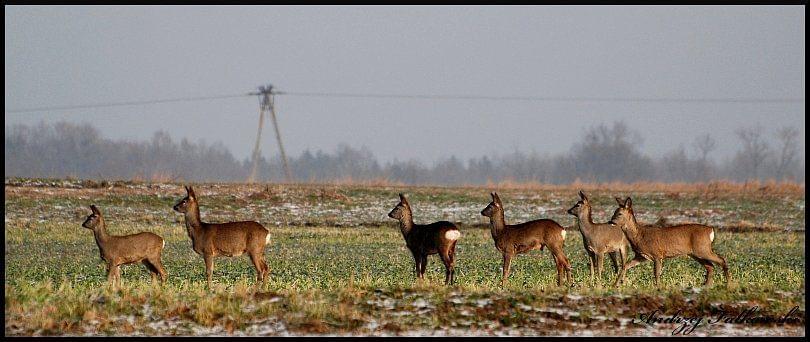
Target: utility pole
(266, 104)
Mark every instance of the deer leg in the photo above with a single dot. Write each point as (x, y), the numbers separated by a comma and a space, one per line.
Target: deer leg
(116, 276)
(423, 266)
(416, 261)
(452, 255)
(257, 263)
(448, 256)
(560, 262)
(209, 268)
(159, 266)
(658, 264)
(507, 260)
(558, 266)
(600, 260)
(110, 272)
(265, 268)
(591, 264)
(152, 270)
(447, 266)
(622, 260)
(720, 261)
(630, 264)
(709, 269)
(614, 260)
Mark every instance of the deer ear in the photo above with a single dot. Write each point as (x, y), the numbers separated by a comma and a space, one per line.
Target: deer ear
(403, 199)
(496, 198)
(628, 203)
(619, 200)
(94, 209)
(191, 192)
(582, 196)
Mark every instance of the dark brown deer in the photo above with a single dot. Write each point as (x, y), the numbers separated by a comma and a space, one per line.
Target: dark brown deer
(521, 238)
(427, 239)
(142, 247)
(229, 239)
(599, 239)
(659, 243)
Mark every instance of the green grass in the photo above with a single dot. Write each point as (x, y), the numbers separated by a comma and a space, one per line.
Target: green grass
(327, 279)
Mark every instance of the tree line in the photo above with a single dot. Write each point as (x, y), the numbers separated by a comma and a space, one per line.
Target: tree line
(606, 153)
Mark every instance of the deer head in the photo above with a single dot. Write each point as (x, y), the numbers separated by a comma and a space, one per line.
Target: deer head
(94, 220)
(190, 199)
(623, 213)
(402, 208)
(582, 205)
(493, 206)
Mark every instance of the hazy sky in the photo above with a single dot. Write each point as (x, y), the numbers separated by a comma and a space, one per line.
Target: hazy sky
(77, 55)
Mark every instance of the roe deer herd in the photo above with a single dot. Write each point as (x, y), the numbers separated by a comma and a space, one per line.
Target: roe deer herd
(233, 239)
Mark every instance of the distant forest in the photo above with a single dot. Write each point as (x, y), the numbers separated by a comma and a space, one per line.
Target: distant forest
(606, 153)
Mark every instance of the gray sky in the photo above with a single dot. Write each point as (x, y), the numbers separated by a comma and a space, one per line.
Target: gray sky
(77, 55)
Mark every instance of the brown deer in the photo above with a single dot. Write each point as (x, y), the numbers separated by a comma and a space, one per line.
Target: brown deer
(229, 239)
(599, 239)
(143, 247)
(521, 238)
(427, 239)
(659, 243)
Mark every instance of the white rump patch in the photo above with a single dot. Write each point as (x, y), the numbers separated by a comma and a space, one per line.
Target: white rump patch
(452, 235)
(711, 236)
(563, 234)
(164, 244)
(267, 238)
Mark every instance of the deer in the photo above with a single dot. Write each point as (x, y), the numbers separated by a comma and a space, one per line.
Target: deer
(427, 239)
(599, 239)
(659, 243)
(511, 240)
(230, 239)
(142, 247)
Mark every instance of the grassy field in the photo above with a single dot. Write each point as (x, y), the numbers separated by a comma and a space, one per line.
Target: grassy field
(339, 266)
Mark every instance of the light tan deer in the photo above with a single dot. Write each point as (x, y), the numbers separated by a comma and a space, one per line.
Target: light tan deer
(142, 247)
(521, 238)
(599, 239)
(427, 239)
(659, 243)
(229, 239)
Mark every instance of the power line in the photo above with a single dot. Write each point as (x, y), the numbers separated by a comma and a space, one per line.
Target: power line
(420, 97)
(541, 98)
(126, 103)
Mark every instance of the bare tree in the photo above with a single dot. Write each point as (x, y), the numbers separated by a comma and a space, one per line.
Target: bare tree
(704, 144)
(754, 151)
(787, 137)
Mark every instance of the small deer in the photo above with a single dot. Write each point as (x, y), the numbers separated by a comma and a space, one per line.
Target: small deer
(521, 238)
(229, 239)
(143, 247)
(599, 239)
(659, 243)
(427, 239)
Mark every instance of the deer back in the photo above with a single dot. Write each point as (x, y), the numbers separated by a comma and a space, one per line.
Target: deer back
(233, 238)
(131, 248)
(665, 242)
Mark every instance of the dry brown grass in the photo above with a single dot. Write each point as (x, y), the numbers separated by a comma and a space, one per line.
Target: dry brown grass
(721, 186)
(769, 187)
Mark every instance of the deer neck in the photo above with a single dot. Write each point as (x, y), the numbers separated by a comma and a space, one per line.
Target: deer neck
(497, 224)
(101, 235)
(632, 231)
(406, 224)
(193, 222)
(585, 220)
